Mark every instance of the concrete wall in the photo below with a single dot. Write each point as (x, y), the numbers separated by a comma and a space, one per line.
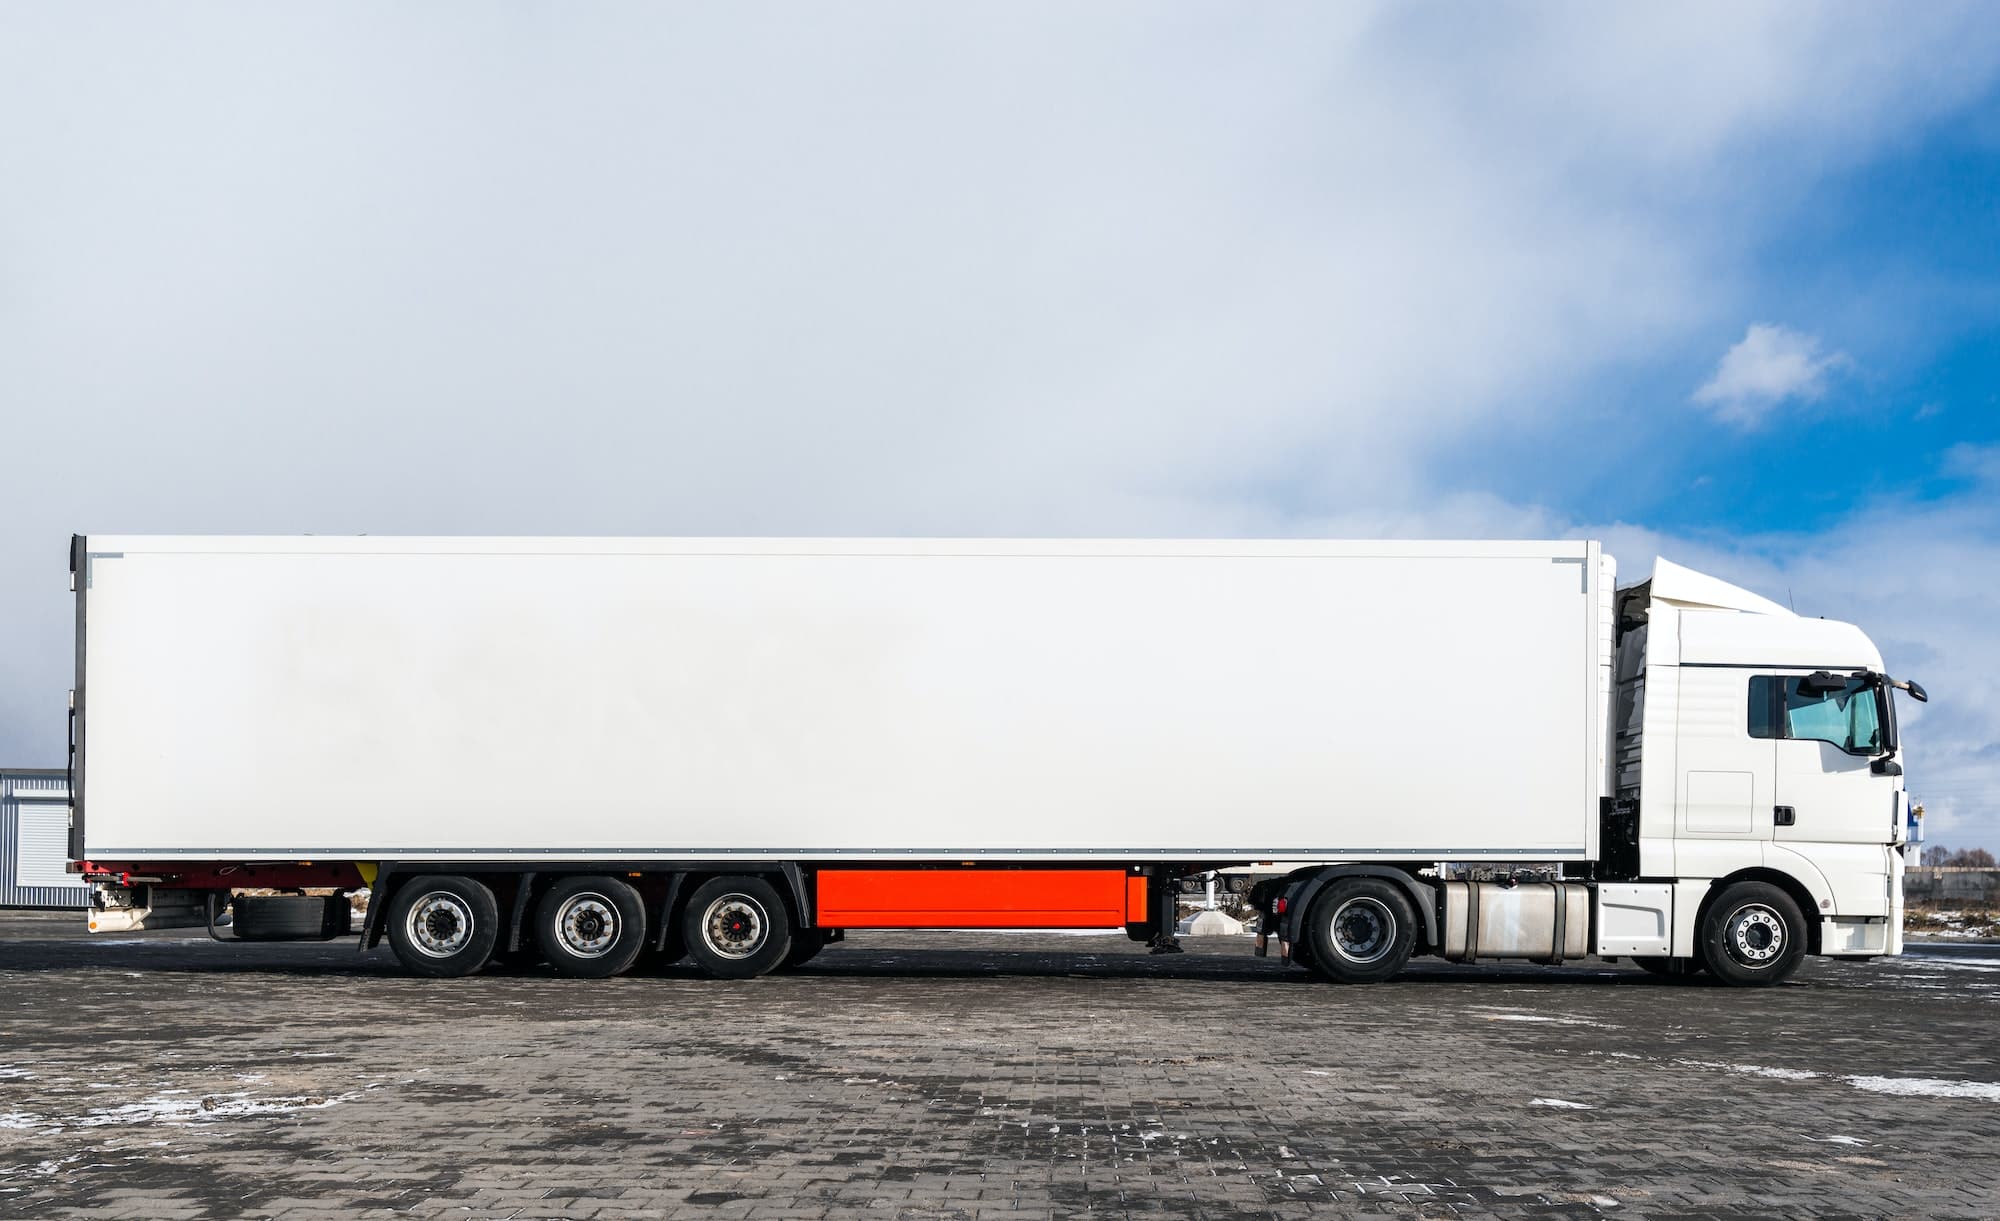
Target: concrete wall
(1949, 886)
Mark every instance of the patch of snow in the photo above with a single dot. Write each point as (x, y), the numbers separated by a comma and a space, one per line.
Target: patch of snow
(1562, 1104)
(1755, 1070)
(163, 1109)
(1837, 1140)
(1507, 1015)
(20, 1121)
(1928, 1087)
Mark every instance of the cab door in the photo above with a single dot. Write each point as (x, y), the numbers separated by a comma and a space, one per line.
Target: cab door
(1724, 790)
(1829, 731)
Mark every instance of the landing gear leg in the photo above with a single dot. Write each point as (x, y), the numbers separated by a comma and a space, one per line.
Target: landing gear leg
(1166, 910)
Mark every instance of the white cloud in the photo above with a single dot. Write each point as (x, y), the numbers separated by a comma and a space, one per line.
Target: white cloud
(1770, 365)
(1980, 463)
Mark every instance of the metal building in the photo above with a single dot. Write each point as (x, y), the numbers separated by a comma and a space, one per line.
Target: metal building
(34, 840)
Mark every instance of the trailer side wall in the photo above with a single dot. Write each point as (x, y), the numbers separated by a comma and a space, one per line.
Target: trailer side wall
(364, 698)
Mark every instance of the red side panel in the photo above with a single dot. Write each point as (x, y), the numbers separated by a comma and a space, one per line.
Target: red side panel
(979, 898)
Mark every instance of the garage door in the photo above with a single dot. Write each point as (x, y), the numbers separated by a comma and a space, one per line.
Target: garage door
(44, 846)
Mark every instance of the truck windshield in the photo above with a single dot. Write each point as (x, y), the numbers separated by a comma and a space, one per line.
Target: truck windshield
(1849, 716)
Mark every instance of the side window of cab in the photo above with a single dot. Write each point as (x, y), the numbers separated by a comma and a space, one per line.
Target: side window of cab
(1845, 711)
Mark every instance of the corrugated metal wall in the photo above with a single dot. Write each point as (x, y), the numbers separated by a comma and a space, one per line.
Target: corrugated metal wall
(34, 847)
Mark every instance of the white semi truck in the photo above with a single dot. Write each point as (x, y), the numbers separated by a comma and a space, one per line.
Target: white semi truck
(736, 750)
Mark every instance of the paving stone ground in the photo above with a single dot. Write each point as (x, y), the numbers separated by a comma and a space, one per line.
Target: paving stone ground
(944, 1075)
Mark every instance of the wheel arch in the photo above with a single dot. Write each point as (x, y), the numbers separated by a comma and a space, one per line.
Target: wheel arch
(795, 888)
(1300, 895)
(1791, 884)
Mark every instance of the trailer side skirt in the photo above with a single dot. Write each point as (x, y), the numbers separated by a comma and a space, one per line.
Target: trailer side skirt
(968, 898)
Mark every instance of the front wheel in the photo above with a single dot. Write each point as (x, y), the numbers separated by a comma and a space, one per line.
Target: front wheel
(1752, 935)
(736, 927)
(1360, 931)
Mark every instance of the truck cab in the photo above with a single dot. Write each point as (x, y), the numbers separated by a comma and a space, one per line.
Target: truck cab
(1757, 744)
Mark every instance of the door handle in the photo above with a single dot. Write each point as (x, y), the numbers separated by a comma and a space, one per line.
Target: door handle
(1783, 816)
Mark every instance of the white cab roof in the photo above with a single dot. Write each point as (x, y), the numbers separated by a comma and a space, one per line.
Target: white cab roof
(1722, 624)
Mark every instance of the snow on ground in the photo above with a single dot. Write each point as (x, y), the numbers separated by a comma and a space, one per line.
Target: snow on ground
(1511, 1015)
(171, 1107)
(1754, 1070)
(1562, 1104)
(1907, 1087)
(1928, 1087)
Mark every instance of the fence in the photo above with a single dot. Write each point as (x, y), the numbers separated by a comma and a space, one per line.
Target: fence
(1932, 884)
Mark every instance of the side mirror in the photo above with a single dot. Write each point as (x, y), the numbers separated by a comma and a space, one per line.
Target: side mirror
(1917, 692)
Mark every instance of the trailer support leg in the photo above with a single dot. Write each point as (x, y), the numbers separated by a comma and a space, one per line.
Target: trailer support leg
(1166, 909)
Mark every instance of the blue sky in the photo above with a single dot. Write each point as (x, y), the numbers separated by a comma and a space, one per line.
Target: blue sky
(1719, 282)
(1894, 261)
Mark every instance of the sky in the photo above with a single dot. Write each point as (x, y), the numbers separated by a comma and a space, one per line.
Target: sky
(1714, 282)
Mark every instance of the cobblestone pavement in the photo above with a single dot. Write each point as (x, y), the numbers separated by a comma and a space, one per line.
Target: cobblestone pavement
(958, 1074)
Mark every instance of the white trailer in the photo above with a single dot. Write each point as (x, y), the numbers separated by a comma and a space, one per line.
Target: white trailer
(769, 741)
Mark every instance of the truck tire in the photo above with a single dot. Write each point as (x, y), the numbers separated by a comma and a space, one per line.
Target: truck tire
(1752, 935)
(1360, 931)
(590, 927)
(737, 927)
(443, 926)
(1669, 968)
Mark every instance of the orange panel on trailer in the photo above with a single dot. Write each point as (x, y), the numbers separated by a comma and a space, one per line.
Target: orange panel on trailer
(977, 898)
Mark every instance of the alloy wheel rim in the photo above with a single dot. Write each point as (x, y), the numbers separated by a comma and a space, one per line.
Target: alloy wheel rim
(735, 926)
(588, 925)
(1756, 935)
(1363, 930)
(439, 924)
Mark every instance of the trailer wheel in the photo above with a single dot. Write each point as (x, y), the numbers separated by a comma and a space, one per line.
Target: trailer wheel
(590, 927)
(443, 926)
(737, 927)
(1360, 931)
(1752, 935)
(1669, 968)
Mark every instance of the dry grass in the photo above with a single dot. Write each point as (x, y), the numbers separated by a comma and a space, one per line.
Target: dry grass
(1962, 921)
